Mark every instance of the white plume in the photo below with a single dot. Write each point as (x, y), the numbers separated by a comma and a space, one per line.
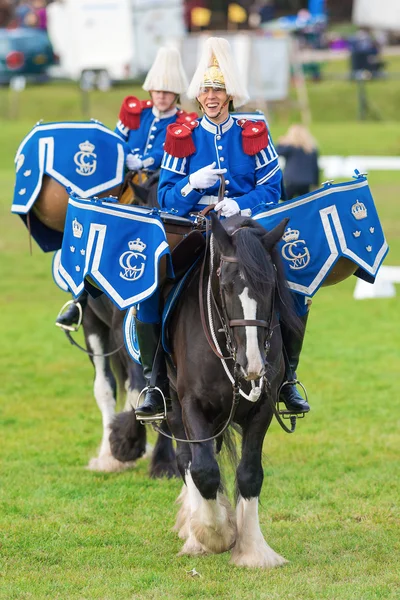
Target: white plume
(166, 73)
(221, 49)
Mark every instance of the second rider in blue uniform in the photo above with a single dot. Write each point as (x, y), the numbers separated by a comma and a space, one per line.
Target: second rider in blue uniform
(143, 125)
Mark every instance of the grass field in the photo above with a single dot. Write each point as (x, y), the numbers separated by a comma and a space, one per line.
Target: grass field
(330, 501)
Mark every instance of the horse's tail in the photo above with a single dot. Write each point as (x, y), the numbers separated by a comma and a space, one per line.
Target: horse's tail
(227, 452)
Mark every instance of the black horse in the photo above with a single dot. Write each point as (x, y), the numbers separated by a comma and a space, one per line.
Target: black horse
(230, 307)
(114, 370)
(103, 329)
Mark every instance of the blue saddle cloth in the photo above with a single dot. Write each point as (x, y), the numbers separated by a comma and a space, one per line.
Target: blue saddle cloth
(86, 157)
(131, 342)
(130, 337)
(117, 246)
(334, 221)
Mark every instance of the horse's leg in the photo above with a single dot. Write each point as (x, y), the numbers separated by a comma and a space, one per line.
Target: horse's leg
(183, 459)
(251, 549)
(163, 463)
(105, 388)
(212, 520)
(163, 460)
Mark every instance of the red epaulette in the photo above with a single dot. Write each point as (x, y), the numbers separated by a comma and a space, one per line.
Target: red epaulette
(179, 141)
(129, 113)
(254, 136)
(184, 117)
(146, 104)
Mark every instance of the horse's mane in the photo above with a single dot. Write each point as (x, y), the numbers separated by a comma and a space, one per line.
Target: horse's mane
(259, 273)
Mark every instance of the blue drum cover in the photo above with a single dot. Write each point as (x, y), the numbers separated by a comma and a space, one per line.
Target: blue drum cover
(119, 247)
(334, 221)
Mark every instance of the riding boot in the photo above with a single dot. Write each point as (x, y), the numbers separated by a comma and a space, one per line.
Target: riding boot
(72, 314)
(293, 344)
(148, 336)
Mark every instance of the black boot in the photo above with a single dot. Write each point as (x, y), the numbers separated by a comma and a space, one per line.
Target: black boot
(71, 316)
(148, 335)
(289, 393)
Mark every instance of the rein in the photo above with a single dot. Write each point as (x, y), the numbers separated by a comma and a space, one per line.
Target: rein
(74, 343)
(235, 402)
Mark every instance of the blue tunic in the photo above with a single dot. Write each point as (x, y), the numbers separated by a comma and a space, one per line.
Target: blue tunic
(148, 140)
(253, 181)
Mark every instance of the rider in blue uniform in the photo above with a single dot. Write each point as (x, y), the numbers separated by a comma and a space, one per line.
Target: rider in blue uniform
(143, 124)
(196, 155)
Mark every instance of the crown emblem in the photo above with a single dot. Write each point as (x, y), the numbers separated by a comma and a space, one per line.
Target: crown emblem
(77, 228)
(86, 147)
(72, 249)
(356, 234)
(137, 245)
(359, 211)
(368, 248)
(291, 235)
(372, 229)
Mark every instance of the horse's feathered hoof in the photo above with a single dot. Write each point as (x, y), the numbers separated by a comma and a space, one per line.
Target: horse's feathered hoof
(127, 437)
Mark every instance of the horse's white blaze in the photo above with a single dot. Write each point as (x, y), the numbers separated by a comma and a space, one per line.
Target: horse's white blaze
(251, 549)
(255, 364)
(106, 402)
(212, 525)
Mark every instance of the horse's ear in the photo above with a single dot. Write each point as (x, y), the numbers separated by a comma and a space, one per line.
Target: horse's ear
(272, 237)
(223, 239)
(139, 191)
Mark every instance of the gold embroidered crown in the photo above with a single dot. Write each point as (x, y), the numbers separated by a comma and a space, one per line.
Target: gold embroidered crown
(214, 77)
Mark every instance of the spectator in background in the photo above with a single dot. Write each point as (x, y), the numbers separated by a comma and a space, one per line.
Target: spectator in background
(25, 15)
(261, 12)
(301, 172)
(39, 7)
(6, 12)
(365, 54)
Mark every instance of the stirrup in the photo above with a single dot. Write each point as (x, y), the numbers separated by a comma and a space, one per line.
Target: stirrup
(70, 327)
(287, 414)
(152, 418)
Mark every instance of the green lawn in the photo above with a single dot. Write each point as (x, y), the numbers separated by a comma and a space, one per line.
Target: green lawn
(330, 501)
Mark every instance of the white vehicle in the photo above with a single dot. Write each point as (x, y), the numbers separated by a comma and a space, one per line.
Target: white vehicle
(384, 14)
(100, 41)
(155, 23)
(92, 36)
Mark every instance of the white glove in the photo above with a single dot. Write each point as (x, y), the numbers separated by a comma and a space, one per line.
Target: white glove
(133, 162)
(205, 177)
(228, 207)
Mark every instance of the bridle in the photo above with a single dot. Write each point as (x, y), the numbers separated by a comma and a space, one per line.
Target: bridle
(226, 322)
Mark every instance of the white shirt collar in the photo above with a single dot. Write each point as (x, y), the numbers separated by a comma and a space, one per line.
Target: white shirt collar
(216, 129)
(164, 115)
